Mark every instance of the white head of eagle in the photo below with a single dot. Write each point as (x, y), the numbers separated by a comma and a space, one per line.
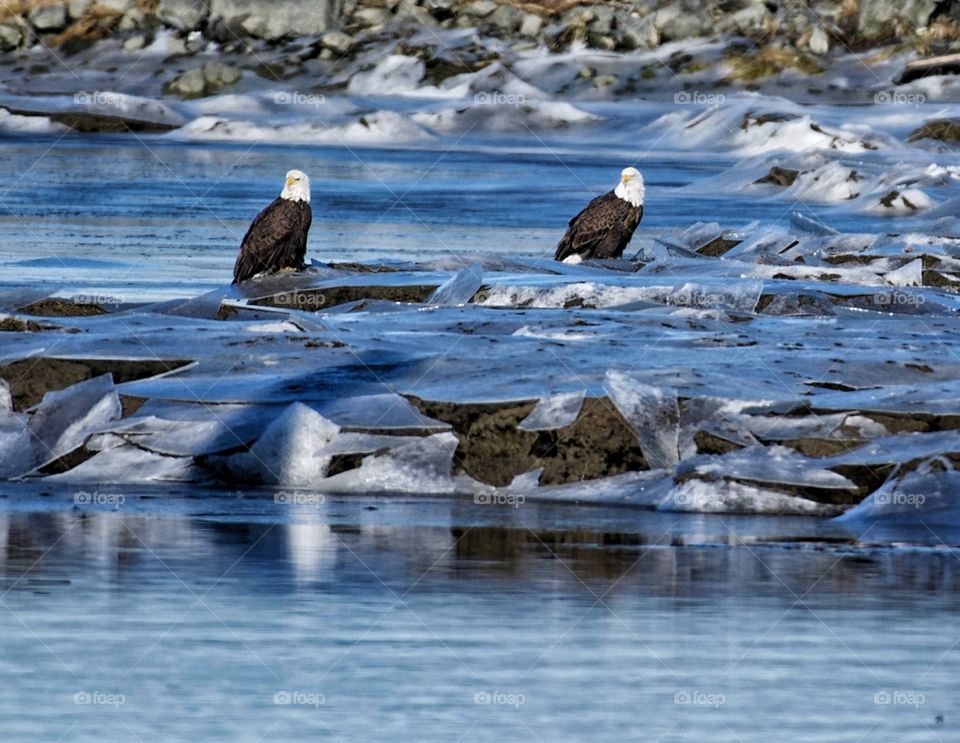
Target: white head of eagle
(630, 188)
(296, 187)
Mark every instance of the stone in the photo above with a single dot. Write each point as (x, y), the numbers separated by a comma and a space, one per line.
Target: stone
(602, 21)
(876, 17)
(117, 6)
(338, 42)
(506, 18)
(78, 8)
(749, 20)
(675, 22)
(479, 8)
(10, 37)
(186, 15)
(819, 41)
(599, 41)
(280, 19)
(132, 19)
(639, 33)
(531, 25)
(370, 17)
(191, 84)
(605, 81)
(134, 43)
(48, 18)
(219, 75)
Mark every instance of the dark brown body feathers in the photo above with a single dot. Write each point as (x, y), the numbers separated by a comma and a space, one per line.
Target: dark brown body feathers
(277, 239)
(602, 230)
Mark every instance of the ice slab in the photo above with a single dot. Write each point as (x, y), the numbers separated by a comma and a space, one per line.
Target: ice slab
(653, 414)
(64, 418)
(554, 412)
(459, 289)
(728, 496)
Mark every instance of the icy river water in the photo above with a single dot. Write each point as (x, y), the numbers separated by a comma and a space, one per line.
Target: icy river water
(204, 616)
(165, 610)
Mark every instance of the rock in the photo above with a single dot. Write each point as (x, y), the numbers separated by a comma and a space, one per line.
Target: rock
(674, 23)
(877, 17)
(599, 41)
(370, 17)
(191, 84)
(819, 41)
(602, 20)
(605, 81)
(135, 43)
(218, 75)
(48, 18)
(132, 19)
(10, 37)
(749, 20)
(338, 41)
(117, 6)
(206, 80)
(943, 130)
(639, 33)
(280, 19)
(531, 25)
(779, 176)
(479, 8)
(78, 8)
(506, 18)
(186, 15)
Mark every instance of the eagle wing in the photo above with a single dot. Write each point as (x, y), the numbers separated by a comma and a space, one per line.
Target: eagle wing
(277, 239)
(601, 230)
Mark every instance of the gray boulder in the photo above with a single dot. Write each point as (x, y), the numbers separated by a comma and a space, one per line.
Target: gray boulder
(78, 8)
(682, 20)
(202, 81)
(337, 42)
(117, 6)
(638, 33)
(11, 37)
(531, 25)
(479, 8)
(48, 18)
(278, 19)
(186, 15)
(876, 16)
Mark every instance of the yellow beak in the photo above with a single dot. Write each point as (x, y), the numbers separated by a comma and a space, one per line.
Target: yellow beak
(290, 181)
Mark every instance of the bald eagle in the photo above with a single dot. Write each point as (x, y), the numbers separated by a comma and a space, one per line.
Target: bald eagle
(605, 226)
(277, 238)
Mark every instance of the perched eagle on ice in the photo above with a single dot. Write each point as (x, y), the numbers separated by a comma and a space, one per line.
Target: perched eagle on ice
(605, 226)
(277, 238)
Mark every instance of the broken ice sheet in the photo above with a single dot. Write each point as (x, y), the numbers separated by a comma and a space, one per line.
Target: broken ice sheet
(459, 288)
(728, 496)
(289, 452)
(16, 444)
(910, 274)
(128, 463)
(930, 493)
(554, 412)
(418, 465)
(653, 414)
(771, 464)
(64, 418)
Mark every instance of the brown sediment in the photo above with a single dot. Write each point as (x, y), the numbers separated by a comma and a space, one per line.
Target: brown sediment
(493, 450)
(31, 378)
(52, 307)
(317, 299)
